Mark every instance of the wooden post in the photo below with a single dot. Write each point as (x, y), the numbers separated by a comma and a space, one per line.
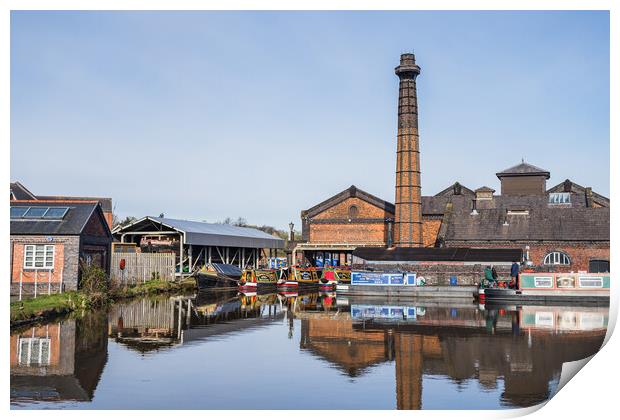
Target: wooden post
(191, 257)
(209, 255)
(21, 273)
(180, 254)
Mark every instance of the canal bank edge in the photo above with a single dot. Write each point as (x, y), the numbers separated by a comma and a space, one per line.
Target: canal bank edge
(46, 307)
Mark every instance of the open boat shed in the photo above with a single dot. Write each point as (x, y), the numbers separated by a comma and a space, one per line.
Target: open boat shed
(198, 243)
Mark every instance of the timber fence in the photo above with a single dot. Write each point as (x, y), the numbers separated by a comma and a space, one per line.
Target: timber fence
(141, 267)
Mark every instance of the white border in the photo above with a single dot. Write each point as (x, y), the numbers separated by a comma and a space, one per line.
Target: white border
(591, 394)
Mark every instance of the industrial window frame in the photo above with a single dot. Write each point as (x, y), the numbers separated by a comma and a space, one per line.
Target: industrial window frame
(559, 198)
(47, 258)
(556, 258)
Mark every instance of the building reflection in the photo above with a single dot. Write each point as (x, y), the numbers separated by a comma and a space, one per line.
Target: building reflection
(520, 349)
(59, 361)
(149, 324)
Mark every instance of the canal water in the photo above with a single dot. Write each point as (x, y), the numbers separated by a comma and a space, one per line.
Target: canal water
(313, 351)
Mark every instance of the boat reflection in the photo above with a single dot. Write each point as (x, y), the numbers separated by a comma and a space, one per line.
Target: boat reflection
(523, 348)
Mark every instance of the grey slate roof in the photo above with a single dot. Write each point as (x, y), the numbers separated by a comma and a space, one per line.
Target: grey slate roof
(72, 224)
(548, 223)
(106, 202)
(523, 169)
(19, 192)
(214, 234)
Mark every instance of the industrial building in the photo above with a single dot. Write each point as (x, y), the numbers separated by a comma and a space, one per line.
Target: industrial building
(198, 243)
(565, 227)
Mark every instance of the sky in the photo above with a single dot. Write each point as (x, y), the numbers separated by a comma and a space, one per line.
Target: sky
(207, 115)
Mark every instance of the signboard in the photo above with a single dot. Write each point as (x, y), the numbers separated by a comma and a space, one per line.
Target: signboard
(395, 313)
(371, 278)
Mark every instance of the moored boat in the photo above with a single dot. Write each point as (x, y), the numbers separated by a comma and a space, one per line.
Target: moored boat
(253, 279)
(218, 275)
(333, 276)
(305, 276)
(554, 287)
(286, 280)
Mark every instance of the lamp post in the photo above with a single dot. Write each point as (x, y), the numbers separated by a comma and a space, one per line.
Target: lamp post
(291, 235)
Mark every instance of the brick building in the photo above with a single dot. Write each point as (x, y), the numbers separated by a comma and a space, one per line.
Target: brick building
(565, 227)
(48, 240)
(20, 192)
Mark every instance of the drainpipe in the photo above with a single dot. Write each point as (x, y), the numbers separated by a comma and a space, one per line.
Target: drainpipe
(389, 233)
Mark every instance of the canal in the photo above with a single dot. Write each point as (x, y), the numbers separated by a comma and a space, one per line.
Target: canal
(313, 351)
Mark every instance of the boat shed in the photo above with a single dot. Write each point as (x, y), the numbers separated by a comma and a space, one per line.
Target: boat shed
(199, 243)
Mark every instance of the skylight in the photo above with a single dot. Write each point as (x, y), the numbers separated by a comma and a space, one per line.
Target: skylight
(48, 213)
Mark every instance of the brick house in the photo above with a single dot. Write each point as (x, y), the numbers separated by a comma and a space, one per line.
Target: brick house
(563, 228)
(20, 192)
(48, 240)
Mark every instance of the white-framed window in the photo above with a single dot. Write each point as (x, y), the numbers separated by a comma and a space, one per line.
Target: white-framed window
(559, 198)
(556, 258)
(39, 256)
(34, 351)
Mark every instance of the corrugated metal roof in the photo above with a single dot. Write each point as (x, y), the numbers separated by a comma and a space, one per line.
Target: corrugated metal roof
(219, 234)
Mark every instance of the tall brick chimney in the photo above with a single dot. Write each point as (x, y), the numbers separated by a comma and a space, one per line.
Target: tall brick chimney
(408, 202)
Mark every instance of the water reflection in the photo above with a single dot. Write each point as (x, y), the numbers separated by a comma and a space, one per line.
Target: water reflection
(435, 353)
(59, 361)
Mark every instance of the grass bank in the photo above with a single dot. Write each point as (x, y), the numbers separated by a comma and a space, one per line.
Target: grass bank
(49, 306)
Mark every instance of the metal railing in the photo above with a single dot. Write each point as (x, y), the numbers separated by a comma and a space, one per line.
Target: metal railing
(43, 283)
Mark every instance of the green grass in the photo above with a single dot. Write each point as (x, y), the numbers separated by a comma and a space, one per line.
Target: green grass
(153, 287)
(48, 306)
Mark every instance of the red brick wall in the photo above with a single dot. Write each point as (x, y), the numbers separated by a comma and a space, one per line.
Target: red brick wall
(341, 230)
(28, 274)
(359, 233)
(580, 254)
(430, 229)
(365, 210)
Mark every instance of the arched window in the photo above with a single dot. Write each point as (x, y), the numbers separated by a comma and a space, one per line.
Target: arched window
(353, 212)
(556, 258)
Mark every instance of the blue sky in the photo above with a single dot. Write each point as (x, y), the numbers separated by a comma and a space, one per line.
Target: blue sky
(204, 115)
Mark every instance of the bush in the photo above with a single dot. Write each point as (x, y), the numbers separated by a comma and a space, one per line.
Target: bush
(94, 279)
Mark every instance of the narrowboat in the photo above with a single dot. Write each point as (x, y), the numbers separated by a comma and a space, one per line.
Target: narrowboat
(306, 276)
(286, 280)
(553, 288)
(253, 279)
(218, 275)
(333, 276)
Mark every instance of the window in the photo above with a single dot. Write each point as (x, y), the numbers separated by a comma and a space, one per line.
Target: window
(556, 258)
(559, 198)
(52, 213)
(39, 256)
(599, 266)
(34, 351)
(353, 212)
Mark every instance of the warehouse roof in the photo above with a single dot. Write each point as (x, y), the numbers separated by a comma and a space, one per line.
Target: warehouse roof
(207, 234)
